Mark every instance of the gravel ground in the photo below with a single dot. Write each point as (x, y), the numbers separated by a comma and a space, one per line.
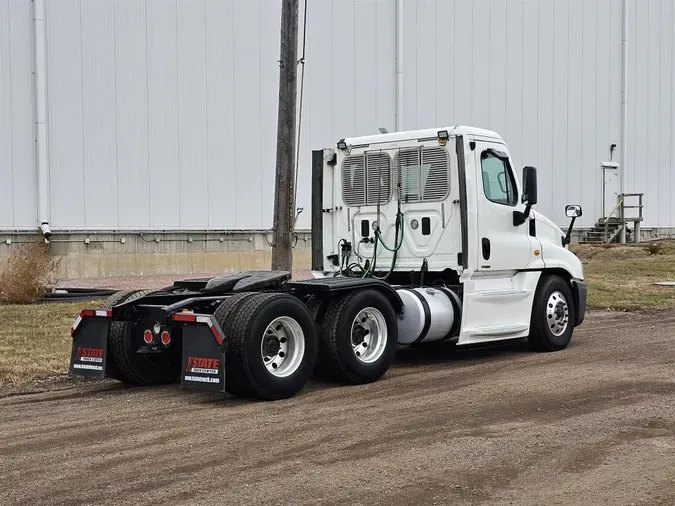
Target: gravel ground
(594, 424)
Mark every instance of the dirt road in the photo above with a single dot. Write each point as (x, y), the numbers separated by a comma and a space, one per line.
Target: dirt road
(594, 424)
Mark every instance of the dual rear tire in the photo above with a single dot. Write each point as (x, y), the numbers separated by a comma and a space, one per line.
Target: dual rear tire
(128, 365)
(357, 337)
(272, 345)
(276, 342)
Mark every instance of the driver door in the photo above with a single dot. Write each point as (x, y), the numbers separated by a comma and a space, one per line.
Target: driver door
(502, 246)
(497, 297)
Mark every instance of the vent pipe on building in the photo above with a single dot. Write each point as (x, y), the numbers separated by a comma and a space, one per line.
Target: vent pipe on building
(40, 94)
(624, 104)
(399, 65)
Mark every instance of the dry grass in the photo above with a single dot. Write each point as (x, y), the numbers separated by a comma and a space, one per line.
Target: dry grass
(622, 277)
(26, 273)
(35, 340)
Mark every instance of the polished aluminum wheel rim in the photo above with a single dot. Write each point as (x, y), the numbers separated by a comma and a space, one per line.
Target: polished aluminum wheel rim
(557, 313)
(282, 346)
(369, 335)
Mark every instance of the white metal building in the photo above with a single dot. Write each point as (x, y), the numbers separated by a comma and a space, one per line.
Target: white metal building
(161, 114)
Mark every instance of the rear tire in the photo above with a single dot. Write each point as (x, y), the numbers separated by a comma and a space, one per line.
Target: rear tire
(358, 338)
(317, 305)
(553, 315)
(227, 308)
(134, 368)
(118, 298)
(317, 308)
(272, 347)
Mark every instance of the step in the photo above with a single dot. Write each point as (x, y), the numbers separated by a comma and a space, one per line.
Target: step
(610, 220)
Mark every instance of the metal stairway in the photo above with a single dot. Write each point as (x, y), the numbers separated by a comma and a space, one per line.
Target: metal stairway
(614, 227)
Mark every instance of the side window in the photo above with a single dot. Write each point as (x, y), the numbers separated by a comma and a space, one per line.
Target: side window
(498, 183)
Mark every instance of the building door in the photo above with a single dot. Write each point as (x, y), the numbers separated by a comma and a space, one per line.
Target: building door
(611, 187)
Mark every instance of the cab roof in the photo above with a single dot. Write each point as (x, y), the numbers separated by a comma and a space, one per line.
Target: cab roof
(420, 134)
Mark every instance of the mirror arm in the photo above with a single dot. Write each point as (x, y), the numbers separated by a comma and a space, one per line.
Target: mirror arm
(568, 237)
(521, 217)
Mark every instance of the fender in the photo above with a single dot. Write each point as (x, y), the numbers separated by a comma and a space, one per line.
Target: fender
(327, 286)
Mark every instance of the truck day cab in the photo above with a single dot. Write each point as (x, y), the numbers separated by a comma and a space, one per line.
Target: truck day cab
(418, 237)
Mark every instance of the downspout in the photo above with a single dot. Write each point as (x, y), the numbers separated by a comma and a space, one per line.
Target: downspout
(399, 65)
(624, 104)
(40, 90)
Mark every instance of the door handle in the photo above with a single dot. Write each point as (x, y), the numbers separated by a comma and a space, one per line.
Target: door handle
(485, 243)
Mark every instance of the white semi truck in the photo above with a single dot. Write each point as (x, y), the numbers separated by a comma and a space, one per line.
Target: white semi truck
(418, 237)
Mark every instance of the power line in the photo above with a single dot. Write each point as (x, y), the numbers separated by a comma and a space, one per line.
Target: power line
(301, 61)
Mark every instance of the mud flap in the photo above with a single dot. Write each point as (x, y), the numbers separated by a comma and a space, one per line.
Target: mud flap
(90, 344)
(203, 353)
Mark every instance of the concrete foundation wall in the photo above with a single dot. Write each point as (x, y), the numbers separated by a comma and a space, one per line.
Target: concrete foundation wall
(116, 254)
(130, 254)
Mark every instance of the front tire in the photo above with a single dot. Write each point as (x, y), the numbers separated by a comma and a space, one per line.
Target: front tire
(358, 338)
(553, 315)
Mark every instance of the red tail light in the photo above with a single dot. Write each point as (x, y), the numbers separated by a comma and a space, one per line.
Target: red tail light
(147, 336)
(165, 338)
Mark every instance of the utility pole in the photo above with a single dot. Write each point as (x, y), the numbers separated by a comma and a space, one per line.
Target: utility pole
(282, 248)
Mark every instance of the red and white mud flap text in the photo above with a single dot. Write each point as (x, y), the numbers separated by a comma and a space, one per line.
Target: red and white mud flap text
(90, 343)
(204, 349)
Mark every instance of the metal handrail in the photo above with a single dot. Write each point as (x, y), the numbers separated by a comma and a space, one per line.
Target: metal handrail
(619, 206)
(619, 212)
(639, 206)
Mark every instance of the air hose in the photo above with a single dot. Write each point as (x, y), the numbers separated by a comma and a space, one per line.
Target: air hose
(370, 271)
(397, 243)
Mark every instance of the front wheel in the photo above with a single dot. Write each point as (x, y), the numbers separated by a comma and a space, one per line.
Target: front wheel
(553, 315)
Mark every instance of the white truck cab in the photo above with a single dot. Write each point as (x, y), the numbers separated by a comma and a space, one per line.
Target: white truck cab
(440, 211)
(417, 237)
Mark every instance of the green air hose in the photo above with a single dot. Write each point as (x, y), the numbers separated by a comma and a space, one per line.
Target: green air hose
(369, 272)
(399, 223)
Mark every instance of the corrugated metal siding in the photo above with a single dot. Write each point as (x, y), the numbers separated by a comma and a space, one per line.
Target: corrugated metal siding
(651, 129)
(547, 76)
(350, 80)
(162, 113)
(541, 73)
(18, 197)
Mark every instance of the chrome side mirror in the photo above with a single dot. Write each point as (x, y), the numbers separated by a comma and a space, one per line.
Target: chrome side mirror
(573, 211)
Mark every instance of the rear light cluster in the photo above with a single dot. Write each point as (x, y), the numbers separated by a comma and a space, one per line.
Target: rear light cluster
(164, 338)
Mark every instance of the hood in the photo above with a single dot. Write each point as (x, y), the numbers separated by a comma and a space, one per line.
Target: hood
(544, 220)
(554, 254)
